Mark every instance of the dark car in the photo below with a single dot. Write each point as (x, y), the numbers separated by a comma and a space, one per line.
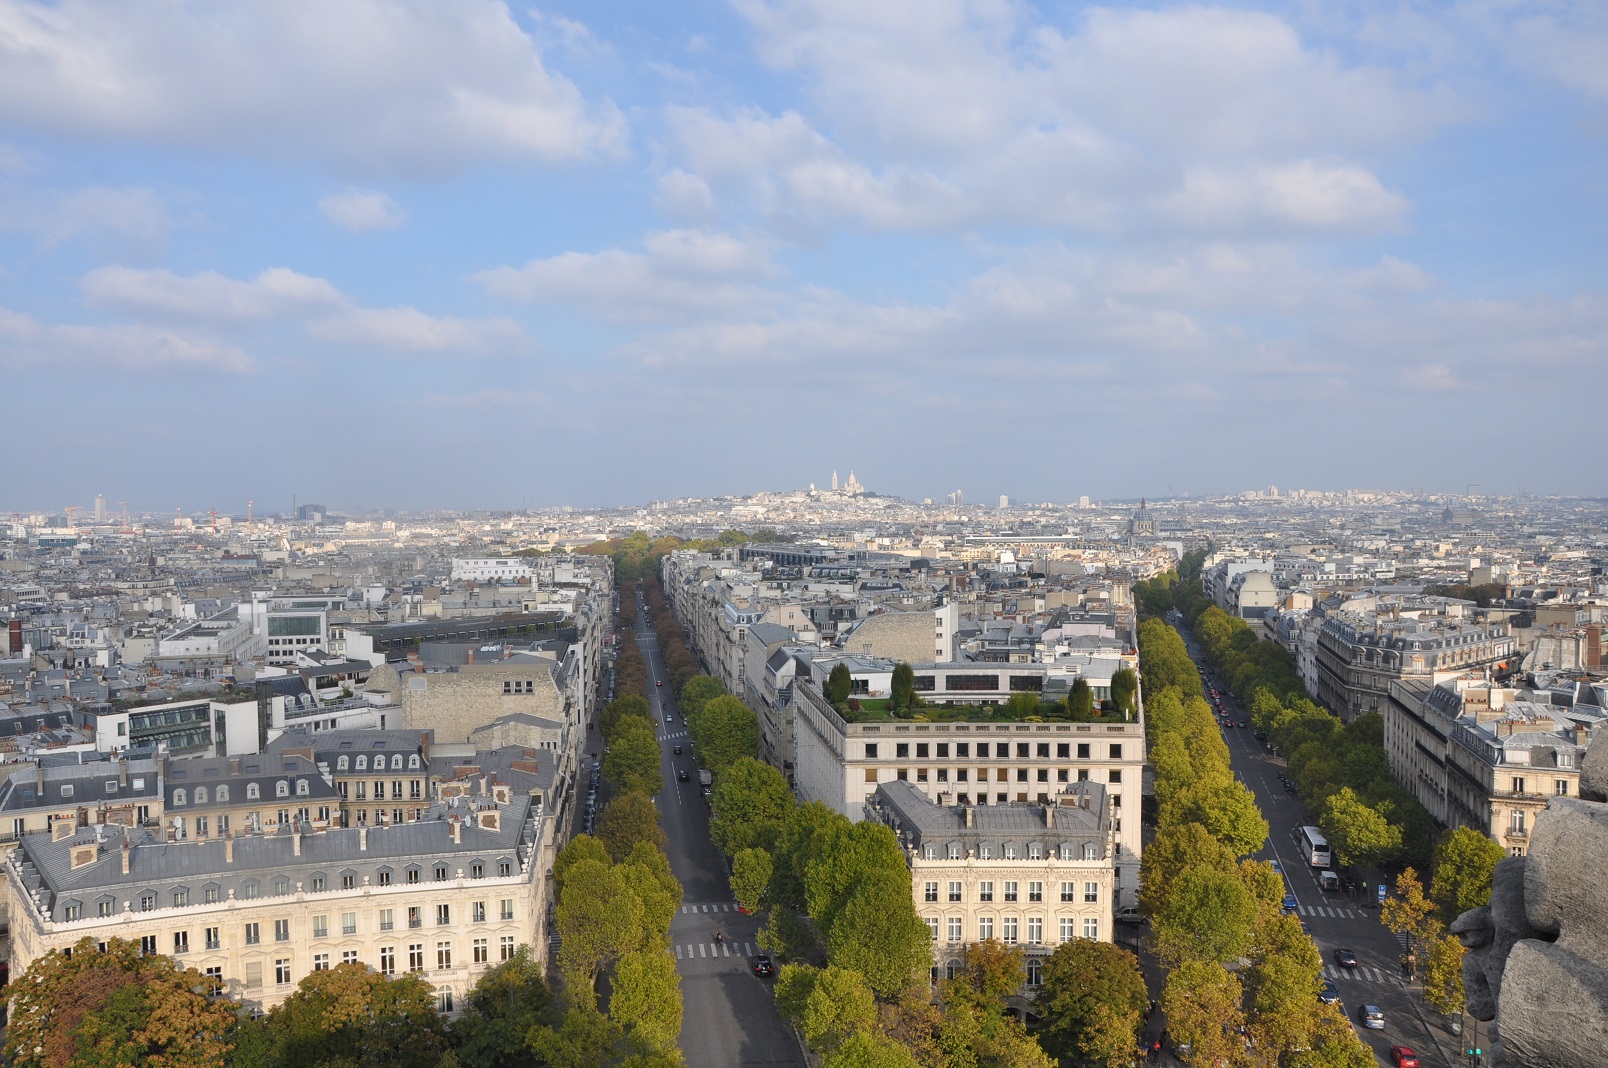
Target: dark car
(676, 750)
(1328, 993)
(681, 775)
(1345, 958)
(765, 969)
(659, 683)
(1403, 1057)
(1243, 723)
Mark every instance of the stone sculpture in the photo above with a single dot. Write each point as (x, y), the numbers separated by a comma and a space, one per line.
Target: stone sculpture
(1536, 957)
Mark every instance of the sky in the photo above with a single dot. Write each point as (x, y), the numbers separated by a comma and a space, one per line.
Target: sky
(489, 255)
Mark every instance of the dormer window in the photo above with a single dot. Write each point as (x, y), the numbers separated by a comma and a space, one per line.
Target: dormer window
(223, 795)
(179, 798)
(200, 795)
(396, 762)
(413, 761)
(341, 763)
(301, 787)
(362, 763)
(253, 791)
(281, 788)
(66, 789)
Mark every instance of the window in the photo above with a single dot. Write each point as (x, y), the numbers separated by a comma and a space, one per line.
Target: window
(181, 898)
(930, 891)
(443, 915)
(253, 934)
(954, 891)
(148, 945)
(505, 909)
(348, 956)
(385, 876)
(985, 891)
(901, 750)
(178, 797)
(1083, 750)
(1035, 851)
(1035, 930)
(870, 750)
(215, 980)
(1560, 787)
(281, 930)
(477, 912)
(281, 788)
(181, 942)
(1008, 932)
(200, 795)
(1035, 972)
(348, 923)
(1010, 851)
(1010, 890)
(387, 960)
(929, 852)
(104, 907)
(318, 883)
(1066, 891)
(214, 939)
(932, 927)
(922, 751)
(1091, 929)
(505, 946)
(281, 886)
(282, 971)
(348, 881)
(1068, 928)
(444, 999)
(441, 873)
(387, 919)
(985, 928)
(413, 875)
(416, 957)
(1114, 775)
(477, 870)
(1035, 891)
(953, 925)
(954, 850)
(253, 791)
(985, 851)
(1091, 892)
(443, 955)
(1063, 751)
(415, 916)
(341, 764)
(320, 927)
(482, 952)
(320, 962)
(1516, 822)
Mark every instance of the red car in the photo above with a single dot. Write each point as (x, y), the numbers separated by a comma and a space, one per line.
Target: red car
(1403, 1057)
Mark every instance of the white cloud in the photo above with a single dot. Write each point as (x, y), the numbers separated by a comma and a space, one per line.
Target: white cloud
(1305, 195)
(130, 215)
(680, 274)
(24, 341)
(364, 86)
(362, 211)
(484, 399)
(281, 294)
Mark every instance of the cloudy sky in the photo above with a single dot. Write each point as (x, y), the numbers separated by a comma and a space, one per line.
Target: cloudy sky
(475, 254)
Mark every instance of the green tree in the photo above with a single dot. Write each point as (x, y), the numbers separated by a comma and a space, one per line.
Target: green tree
(1358, 833)
(1124, 690)
(1089, 989)
(627, 820)
(647, 873)
(115, 1005)
(839, 684)
(631, 764)
(1175, 849)
(645, 1000)
(839, 1005)
(879, 933)
(902, 687)
(866, 1050)
(499, 1012)
(1226, 808)
(1202, 1002)
(582, 1038)
(752, 803)
(1207, 914)
(990, 973)
(725, 731)
(750, 875)
(1408, 911)
(599, 918)
(698, 691)
(626, 706)
(1443, 975)
(1080, 699)
(349, 1015)
(1464, 861)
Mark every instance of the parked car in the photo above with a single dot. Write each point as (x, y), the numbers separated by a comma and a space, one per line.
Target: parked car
(1372, 1017)
(1130, 915)
(1328, 993)
(765, 969)
(1403, 1057)
(1290, 903)
(1345, 958)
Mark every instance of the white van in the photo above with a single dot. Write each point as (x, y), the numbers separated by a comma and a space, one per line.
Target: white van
(1328, 881)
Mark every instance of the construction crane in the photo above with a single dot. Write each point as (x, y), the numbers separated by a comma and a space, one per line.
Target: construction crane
(214, 520)
(70, 509)
(124, 505)
(251, 525)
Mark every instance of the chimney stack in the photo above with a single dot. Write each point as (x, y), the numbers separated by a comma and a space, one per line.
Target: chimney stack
(122, 772)
(1594, 646)
(125, 855)
(295, 839)
(1049, 817)
(362, 838)
(457, 831)
(228, 848)
(971, 816)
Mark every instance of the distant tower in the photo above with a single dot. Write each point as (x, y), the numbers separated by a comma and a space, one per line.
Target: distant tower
(100, 507)
(1004, 501)
(834, 482)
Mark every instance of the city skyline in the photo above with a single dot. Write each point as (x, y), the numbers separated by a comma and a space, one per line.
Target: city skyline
(471, 256)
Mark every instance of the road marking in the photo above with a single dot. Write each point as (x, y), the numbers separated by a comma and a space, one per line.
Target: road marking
(678, 952)
(701, 948)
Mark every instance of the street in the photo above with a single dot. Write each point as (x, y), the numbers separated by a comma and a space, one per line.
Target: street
(729, 1015)
(1335, 921)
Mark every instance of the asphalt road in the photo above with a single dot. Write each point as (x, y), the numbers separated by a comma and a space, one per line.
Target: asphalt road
(1335, 921)
(729, 1016)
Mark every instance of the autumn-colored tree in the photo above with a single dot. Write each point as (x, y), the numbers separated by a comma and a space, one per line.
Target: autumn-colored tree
(115, 1007)
(1408, 911)
(990, 972)
(350, 1015)
(1443, 975)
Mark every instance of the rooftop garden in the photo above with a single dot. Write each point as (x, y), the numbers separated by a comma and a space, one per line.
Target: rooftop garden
(905, 705)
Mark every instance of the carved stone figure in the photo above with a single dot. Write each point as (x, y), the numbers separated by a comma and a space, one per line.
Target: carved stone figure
(1536, 958)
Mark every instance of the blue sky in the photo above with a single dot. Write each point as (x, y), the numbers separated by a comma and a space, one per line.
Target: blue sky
(474, 254)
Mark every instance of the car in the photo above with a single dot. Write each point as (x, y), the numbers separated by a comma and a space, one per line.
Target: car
(1306, 929)
(1244, 723)
(763, 968)
(1328, 993)
(681, 776)
(676, 750)
(1372, 1017)
(1290, 903)
(1403, 1057)
(659, 683)
(1130, 915)
(1345, 958)
(1276, 866)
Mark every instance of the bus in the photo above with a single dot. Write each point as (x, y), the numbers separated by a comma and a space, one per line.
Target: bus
(1314, 847)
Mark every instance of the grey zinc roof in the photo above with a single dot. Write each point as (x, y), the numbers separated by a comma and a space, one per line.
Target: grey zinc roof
(771, 633)
(89, 785)
(903, 806)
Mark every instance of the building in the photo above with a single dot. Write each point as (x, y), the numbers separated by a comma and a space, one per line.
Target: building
(497, 570)
(1358, 656)
(1029, 875)
(447, 896)
(973, 763)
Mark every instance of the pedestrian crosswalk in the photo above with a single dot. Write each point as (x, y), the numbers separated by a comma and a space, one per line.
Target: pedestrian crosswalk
(718, 906)
(695, 950)
(1333, 912)
(1366, 974)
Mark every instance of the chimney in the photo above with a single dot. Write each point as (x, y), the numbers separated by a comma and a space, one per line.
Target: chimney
(1582, 736)
(228, 849)
(362, 838)
(971, 816)
(1594, 647)
(457, 831)
(1049, 817)
(234, 765)
(295, 839)
(415, 663)
(122, 772)
(471, 656)
(125, 852)
(39, 780)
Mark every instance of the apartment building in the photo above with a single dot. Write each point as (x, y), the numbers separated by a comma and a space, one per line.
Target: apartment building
(1029, 875)
(446, 897)
(1484, 756)
(1358, 655)
(976, 762)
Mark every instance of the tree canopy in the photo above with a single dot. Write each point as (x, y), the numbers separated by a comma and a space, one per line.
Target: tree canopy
(1089, 988)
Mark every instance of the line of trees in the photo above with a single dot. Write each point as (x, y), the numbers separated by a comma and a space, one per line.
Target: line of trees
(1243, 979)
